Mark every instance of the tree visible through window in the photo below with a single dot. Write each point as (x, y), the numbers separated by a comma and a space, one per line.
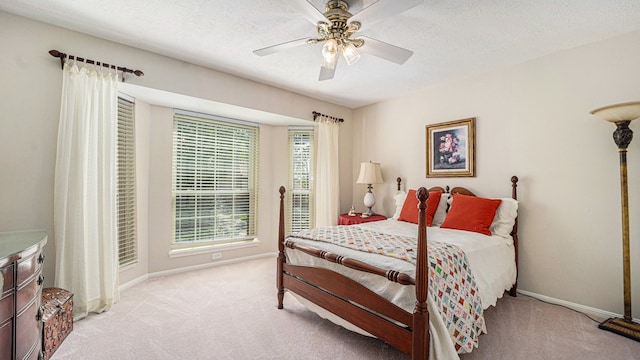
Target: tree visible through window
(214, 180)
(300, 190)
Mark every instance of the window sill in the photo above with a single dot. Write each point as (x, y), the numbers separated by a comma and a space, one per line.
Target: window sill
(128, 266)
(176, 253)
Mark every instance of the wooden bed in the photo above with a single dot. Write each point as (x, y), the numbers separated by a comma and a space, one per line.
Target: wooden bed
(353, 302)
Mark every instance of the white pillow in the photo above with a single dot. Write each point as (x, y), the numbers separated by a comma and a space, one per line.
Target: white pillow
(399, 198)
(505, 218)
(441, 210)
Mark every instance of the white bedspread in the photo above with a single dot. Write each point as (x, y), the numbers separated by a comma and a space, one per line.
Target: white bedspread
(491, 258)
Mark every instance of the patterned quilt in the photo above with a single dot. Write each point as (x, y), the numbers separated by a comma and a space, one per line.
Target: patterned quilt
(451, 282)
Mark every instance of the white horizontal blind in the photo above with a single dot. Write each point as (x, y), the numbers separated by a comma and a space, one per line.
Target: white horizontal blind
(300, 197)
(215, 169)
(126, 201)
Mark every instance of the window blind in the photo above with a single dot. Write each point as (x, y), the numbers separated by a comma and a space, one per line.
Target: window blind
(300, 197)
(126, 182)
(215, 169)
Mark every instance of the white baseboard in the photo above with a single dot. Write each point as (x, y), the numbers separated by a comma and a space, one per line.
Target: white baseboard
(141, 279)
(577, 307)
(133, 282)
(574, 306)
(212, 264)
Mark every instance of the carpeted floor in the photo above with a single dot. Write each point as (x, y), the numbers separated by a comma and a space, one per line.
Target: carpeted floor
(229, 312)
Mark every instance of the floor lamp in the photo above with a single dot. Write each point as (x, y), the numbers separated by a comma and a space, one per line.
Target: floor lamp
(622, 115)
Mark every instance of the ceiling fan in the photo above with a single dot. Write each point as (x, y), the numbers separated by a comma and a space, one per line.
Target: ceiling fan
(337, 28)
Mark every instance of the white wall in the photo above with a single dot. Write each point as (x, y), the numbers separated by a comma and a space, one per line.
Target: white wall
(533, 121)
(30, 90)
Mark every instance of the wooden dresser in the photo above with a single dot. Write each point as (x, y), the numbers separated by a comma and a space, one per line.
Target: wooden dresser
(21, 259)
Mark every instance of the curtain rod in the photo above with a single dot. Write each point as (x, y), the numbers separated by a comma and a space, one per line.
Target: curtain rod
(316, 114)
(63, 56)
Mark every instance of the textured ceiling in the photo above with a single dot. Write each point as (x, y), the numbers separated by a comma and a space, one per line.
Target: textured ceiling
(449, 37)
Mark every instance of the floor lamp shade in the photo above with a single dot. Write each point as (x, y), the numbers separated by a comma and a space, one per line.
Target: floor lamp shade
(619, 112)
(622, 114)
(369, 174)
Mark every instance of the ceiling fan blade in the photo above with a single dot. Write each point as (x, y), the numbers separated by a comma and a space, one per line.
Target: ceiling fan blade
(326, 73)
(385, 51)
(309, 11)
(382, 9)
(280, 47)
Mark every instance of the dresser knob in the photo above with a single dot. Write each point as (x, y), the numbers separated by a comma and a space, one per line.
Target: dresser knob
(39, 315)
(41, 258)
(40, 279)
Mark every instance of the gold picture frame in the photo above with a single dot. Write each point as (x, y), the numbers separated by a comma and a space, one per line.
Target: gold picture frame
(451, 148)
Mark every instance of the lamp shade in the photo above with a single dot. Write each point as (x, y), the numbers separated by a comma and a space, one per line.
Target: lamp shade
(619, 112)
(350, 53)
(370, 173)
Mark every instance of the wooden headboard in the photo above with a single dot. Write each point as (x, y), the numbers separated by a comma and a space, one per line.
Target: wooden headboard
(447, 190)
(465, 191)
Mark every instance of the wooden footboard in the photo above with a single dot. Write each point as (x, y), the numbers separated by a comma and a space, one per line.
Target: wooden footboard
(348, 300)
(420, 338)
(355, 303)
(358, 305)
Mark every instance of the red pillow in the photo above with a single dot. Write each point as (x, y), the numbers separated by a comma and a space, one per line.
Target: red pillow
(409, 212)
(471, 213)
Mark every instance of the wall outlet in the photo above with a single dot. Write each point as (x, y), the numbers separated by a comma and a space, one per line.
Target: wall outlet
(216, 255)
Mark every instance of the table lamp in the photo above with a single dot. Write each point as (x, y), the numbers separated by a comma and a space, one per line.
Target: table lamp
(369, 174)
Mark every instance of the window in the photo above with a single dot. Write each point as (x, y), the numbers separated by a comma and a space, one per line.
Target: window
(126, 182)
(215, 169)
(300, 195)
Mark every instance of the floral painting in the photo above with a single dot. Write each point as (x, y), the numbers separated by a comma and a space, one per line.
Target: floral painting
(451, 148)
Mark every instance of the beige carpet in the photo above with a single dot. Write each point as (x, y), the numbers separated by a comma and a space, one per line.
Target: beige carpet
(229, 312)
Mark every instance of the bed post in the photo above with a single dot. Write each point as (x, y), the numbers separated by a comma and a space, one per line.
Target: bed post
(514, 233)
(281, 258)
(421, 313)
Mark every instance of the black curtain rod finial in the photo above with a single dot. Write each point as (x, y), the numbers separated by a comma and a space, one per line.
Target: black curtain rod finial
(335, 119)
(63, 57)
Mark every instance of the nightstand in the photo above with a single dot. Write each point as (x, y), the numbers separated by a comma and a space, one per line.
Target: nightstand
(345, 219)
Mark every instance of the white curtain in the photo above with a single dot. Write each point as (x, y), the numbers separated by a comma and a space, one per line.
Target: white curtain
(85, 225)
(327, 180)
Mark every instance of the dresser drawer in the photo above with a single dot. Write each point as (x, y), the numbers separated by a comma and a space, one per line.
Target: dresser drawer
(35, 354)
(27, 330)
(21, 261)
(29, 291)
(29, 266)
(7, 275)
(5, 340)
(6, 309)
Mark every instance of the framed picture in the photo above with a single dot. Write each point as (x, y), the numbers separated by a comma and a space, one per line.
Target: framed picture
(451, 148)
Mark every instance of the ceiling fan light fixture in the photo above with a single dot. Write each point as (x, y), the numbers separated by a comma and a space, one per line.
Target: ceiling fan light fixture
(330, 64)
(330, 54)
(350, 53)
(337, 29)
(330, 49)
